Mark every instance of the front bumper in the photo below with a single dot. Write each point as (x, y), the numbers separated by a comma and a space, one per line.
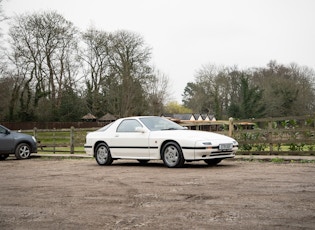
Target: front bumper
(208, 153)
(88, 150)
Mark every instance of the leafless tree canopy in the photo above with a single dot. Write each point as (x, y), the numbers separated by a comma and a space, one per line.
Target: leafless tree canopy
(272, 91)
(51, 71)
(118, 75)
(51, 65)
(42, 57)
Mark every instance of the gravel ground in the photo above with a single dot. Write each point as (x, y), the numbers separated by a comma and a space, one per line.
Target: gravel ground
(50, 193)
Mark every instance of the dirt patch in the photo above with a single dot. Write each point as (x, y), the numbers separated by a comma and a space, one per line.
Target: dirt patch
(78, 194)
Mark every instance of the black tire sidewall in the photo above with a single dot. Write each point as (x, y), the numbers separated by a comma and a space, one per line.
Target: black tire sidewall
(109, 159)
(180, 162)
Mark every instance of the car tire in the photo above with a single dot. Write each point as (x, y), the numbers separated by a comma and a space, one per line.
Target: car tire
(22, 151)
(102, 155)
(213, 162)
(3, 156)
(172, 155)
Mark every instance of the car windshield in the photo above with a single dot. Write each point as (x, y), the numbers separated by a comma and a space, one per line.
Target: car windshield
(159, 123)
(3, 129)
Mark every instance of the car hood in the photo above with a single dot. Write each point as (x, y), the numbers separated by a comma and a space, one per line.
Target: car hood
(194, 135)
(18, 135)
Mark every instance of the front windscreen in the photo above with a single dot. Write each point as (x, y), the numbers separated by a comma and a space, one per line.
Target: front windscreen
(160, 123)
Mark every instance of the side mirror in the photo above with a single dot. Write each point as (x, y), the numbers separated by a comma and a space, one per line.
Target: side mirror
(140, 129)
(7, 132)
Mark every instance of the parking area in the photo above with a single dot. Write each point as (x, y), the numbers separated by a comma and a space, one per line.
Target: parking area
(51, 193)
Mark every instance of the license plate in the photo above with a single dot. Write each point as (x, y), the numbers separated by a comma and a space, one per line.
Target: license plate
(228, 146)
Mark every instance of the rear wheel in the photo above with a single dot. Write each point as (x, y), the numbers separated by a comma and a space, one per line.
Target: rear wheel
(3, 156)
(213, 162)
(22, 151)
(102, 155)
(172, 155)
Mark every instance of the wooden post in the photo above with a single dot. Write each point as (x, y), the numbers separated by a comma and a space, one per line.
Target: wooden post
(231, 126)
(35, 133)
(72, 140)
(270, 136)
(54, 140)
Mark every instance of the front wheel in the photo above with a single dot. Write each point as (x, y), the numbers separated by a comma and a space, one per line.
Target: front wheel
(22, 151)
(102, 155)
(213, 162)
(172, 155)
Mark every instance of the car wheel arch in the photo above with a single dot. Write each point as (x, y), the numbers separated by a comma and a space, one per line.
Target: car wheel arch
(22, 142)
(96, 144)
(164, 143)
(172, 154)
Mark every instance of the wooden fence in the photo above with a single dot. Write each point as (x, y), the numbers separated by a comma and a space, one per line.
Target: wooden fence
(268, 136)
(61, 140)
(275, 136)
(271, 136)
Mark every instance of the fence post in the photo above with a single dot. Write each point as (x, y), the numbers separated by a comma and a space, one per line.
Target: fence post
(54, 140)
(270, 136)
(72, 140)
(231, 126)
(35, 133)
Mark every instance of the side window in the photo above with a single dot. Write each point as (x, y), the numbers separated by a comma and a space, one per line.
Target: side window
(128, 126)
(2, 130)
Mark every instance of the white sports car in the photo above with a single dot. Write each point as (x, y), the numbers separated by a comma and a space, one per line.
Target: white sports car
(153, 138)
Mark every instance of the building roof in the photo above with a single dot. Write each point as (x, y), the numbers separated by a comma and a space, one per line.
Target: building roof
(190, 116)
(88, 116)
(108, 117)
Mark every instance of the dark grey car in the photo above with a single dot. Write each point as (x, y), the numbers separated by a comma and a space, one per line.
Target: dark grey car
(19, 144)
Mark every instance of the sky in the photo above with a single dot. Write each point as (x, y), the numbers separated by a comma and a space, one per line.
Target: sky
(187, 34)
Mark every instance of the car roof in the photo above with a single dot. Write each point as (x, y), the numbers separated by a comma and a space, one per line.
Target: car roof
(137, 117)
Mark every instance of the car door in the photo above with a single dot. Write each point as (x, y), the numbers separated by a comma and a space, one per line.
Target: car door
(129, 142)
(6, 141)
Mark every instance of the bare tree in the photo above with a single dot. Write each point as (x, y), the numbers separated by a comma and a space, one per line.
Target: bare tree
(2, 16)
(43, 49)
(94, 55)
(2, 48)
(128, 58)
(119, 79)
(212, 90)
(4, 81)
(157, 89)
(272, 91)
(288, 90)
